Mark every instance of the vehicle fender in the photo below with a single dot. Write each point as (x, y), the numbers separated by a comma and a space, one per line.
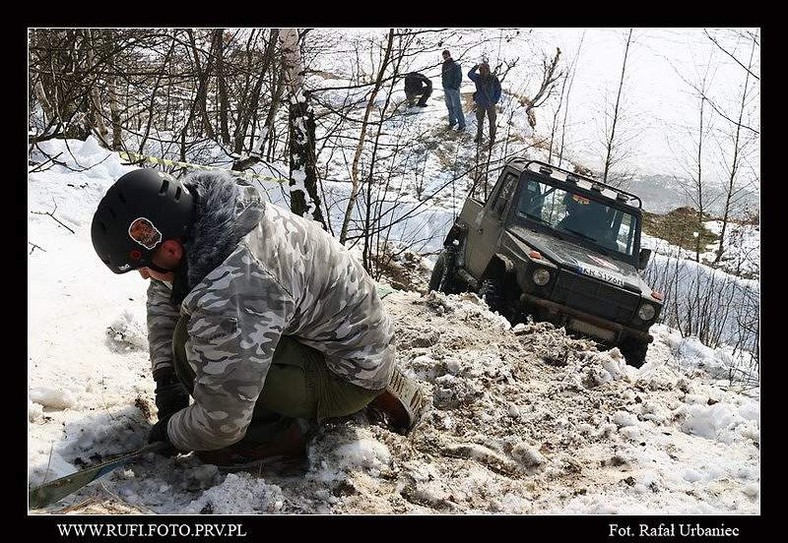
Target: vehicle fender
(456, 233)
(499, 263)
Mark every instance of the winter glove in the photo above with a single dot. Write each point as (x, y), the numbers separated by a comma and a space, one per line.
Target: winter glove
(159, 433)
(171, 395)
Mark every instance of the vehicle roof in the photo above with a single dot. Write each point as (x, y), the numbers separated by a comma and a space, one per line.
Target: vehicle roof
(571, 178)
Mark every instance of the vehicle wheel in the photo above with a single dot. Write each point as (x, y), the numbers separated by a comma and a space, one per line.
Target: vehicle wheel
(441, 280)
(491, 292)
(634, 352)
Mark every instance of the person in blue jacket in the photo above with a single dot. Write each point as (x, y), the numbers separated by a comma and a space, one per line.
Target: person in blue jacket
(451, 79)
(488, 92)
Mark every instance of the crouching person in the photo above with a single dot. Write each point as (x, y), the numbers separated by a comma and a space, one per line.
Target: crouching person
(257, 314)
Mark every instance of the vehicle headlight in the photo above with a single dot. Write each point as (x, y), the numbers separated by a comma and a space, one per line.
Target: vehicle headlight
(646, 312)
(541, 277)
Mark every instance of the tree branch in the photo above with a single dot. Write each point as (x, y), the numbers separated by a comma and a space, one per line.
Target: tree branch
(729, 54)
(52, 214)
(34, 247)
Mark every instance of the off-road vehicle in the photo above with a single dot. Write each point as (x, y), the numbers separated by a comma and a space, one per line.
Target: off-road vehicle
(559, 247)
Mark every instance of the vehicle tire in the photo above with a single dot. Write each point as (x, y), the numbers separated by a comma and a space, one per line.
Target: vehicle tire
(491, 292)
(441, 278)
(634, 352)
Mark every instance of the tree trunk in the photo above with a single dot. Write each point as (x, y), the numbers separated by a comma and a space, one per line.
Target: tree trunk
(611, 140)
(114, 112)
(203, 77)
(268, 138)
(304, 199)
(165, 66)
(355, 179)
(699, 180)
(571, 77)
(224, 102)
(96, 115)
(251, 104)
(49, 113)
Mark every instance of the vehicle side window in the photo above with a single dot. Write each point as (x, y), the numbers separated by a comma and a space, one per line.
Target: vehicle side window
(504, 194)
(531, 200)
(626, 233)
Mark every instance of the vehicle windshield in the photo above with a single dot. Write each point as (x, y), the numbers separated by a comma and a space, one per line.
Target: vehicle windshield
(604, 226)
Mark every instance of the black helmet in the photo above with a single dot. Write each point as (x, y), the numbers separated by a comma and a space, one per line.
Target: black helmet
(143, 208)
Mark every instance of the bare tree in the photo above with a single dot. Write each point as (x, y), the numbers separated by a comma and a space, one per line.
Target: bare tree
(549, 76)
(303, 172)
(355, 176)
(221, 83)
(718, 308)
(566, 90)
(62, 72)
(740, 145)
(159, 76)
(697, 190)
(613, 147)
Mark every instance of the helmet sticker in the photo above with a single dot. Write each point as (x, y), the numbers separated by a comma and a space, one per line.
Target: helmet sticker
(143, 232)
(580, 199)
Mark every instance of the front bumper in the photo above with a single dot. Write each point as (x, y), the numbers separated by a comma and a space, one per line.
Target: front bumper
(585, 323)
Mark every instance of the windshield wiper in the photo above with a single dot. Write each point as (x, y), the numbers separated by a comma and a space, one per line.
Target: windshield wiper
(537, 219)
(581, 234)
(595, 241)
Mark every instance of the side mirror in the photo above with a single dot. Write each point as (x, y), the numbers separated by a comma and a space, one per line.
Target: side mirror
(645, 255)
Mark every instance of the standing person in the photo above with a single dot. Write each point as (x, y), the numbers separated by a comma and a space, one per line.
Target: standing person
(259, 315)
(488, 92)
(451, 78)
(417, 86)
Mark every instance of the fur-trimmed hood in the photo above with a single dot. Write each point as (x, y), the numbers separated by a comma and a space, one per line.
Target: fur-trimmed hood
(225, 210)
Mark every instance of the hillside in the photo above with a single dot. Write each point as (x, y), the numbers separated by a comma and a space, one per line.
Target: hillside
(523, 421)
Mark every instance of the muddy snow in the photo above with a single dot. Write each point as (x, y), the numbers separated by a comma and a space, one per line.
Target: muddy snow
(524, 420)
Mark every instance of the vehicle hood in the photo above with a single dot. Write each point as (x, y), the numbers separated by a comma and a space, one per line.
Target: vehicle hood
(579, 259)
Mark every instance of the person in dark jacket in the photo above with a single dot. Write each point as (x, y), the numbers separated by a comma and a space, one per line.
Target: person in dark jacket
(488, 92)
(451, 79)
(417, 86)
(259, 315)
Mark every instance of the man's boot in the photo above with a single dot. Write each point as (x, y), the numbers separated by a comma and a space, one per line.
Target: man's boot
(290, 447)
(401, 405)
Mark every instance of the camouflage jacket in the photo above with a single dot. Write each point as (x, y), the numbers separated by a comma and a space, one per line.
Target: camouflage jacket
(257, 272)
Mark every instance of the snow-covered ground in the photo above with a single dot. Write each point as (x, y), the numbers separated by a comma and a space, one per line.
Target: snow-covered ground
(524, 421)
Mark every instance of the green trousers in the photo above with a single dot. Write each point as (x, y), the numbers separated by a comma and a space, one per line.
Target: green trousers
(298, 385)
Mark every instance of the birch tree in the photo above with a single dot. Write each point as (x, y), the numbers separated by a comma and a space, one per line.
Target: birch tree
(304, 199)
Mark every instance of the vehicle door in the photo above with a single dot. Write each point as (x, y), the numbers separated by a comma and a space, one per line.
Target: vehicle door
(486, 229)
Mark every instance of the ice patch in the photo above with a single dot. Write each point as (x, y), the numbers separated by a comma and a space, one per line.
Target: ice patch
(127, 333)
(52, 398)
(237, 494)
(625, 418)
(35, 411)
(715, 422)
(364, 453)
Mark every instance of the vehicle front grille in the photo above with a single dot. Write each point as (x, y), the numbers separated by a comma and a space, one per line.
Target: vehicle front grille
(595, 297)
